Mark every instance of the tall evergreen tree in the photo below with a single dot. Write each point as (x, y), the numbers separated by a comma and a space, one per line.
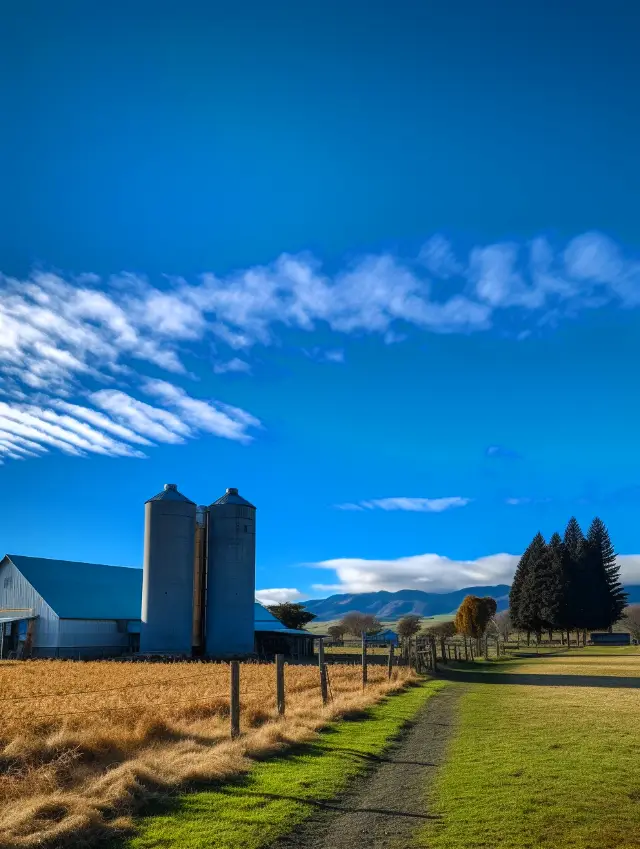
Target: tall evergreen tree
(573, 568)
(609, 597)
(552, 585)
(528, 591)
(515, 593)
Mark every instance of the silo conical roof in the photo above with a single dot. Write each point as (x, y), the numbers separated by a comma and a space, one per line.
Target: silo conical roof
(231, 496)
(170, 493)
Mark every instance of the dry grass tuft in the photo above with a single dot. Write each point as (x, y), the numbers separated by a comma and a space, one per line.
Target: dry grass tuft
(84, 745)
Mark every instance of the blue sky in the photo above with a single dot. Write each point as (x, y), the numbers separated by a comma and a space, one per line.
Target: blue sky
(377, 265)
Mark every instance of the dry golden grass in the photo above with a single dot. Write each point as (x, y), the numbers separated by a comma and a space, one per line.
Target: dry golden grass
(83, 745)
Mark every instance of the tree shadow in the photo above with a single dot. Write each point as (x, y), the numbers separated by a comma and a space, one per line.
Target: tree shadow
(468, 677)
(240, 785)
(381, 759)
(328, 805)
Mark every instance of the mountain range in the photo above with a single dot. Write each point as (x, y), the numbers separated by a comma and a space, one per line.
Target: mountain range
(391, 606)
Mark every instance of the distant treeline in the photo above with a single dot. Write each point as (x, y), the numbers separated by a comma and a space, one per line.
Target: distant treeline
(567, 584)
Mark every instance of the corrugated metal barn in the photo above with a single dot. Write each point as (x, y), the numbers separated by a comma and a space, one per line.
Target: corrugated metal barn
(60, 608)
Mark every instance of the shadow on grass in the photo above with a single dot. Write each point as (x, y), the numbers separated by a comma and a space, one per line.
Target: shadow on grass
(467, 676)
(328, 805)
(240, 785)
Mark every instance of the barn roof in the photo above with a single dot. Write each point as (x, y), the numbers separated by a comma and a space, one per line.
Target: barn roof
(95, 591)
(83, 590)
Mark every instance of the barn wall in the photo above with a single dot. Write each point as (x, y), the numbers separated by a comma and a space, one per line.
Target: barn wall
(18, 596)
(99, 637)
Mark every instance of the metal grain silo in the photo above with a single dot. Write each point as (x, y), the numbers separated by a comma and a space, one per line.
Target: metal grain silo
(167, 582)
(231, 576)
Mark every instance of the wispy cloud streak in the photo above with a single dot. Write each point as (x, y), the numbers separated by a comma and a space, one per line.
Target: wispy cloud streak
(411, 505)
(89, 343)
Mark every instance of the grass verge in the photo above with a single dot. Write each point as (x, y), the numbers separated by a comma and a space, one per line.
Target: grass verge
(544, 766)
(278, 794)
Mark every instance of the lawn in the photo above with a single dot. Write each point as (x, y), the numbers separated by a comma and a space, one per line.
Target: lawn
(279, 793)
(553, 767)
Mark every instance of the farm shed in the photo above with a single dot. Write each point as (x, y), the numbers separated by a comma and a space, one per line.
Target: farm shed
(614, 639)
(386, 637)
(272, 637)
(60, 608)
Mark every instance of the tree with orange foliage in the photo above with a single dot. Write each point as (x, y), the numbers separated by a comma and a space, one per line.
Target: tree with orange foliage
(474, 615)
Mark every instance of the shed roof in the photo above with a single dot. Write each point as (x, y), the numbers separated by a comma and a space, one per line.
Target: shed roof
(266, 621)
(83, 590)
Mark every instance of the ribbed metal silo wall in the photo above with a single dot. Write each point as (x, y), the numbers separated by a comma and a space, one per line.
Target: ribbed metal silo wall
(231, 580)
(167, 582)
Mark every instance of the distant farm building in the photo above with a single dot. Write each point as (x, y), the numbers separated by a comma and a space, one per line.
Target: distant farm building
(386, 638)
(606, 639)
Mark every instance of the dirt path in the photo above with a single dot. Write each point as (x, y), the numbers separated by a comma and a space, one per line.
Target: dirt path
(384, 807)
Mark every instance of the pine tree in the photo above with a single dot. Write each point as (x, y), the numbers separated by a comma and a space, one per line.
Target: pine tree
(573, 568)
(609, 596)
(552, 585)
(519, 578)
(529, 598)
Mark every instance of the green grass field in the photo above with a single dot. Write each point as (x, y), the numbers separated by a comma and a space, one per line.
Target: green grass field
(551, 767)
(270, 801)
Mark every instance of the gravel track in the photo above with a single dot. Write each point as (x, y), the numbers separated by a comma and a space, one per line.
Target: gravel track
(383, 808)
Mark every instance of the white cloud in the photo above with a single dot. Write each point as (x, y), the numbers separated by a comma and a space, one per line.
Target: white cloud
(60, 431)
(438, 258)
(428, 572)
(435, 573)
(336, 356)
(278, 596)
(233, 365)
(103, 422)
(325, 356)
(629, 568)
(413, 505)
(152, 422)
(515, 502)
(66, 338)
(212, 417)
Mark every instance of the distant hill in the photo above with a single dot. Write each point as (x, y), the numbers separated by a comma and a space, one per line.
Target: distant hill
(391, 606)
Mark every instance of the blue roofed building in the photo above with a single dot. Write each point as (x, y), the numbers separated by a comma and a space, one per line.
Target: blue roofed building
(61, 608)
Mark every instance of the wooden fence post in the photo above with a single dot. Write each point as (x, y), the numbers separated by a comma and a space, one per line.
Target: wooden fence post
(466, 652)
(486, 647)
(235, 699)
(471, 650)
(324, 690)
(324, 687)
(434, 655)
(364, 660)
(390, 663)
(443, 650)
(280, 684)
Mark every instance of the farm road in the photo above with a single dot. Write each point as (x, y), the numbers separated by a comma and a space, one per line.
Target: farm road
(385, 806)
